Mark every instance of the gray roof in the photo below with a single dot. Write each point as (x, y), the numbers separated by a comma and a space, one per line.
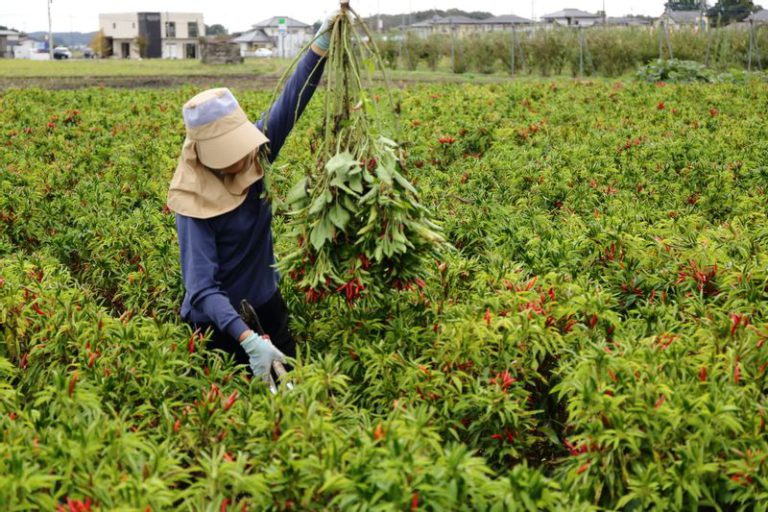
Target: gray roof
(457, 20)
(759, 16)
(253, 36)
(684, 16)
(289, 23)
(508, 19)
(570, 13)
(627, 20)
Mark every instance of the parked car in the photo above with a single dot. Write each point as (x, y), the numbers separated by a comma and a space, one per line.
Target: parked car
(263, 52)
(61, 52)
(88, 53)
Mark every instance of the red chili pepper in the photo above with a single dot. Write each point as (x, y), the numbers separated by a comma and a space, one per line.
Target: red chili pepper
(415, 501)
(177, 426)
(737, 372)
(703, 374)
(583, 467)
(503, 379)
(660, 401)
(37, 309)
(230, 400)
(92, 359)
(191, 344)
(72, 382)
(551, 293)
(487, 316)
(378, 432)
(736, 319)
(224, 505)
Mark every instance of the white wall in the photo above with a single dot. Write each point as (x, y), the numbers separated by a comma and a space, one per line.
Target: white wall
(120, 26)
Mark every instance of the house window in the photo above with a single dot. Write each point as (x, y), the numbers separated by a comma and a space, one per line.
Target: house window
(192, 29)
(133, 25)
(114, 26)
(170, 29)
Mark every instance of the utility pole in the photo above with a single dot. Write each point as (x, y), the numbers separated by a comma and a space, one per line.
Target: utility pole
(50, 32)
(605, 15)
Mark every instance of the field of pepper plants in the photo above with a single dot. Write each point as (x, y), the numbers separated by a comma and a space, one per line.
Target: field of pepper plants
(596, 339)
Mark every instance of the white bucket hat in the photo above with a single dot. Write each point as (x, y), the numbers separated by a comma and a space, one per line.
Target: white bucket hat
(219, 134)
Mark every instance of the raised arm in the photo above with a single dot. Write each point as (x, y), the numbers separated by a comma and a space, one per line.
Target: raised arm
(299, 89)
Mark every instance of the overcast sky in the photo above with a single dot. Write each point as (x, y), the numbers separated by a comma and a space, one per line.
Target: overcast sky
(238, 15)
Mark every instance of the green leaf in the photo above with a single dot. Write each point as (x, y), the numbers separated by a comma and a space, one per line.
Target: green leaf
(321, 233)
(297, 192)
(339, 216)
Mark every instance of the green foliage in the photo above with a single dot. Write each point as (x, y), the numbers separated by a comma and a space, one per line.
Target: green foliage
(675, 71)
(598, 339)
(725, 12)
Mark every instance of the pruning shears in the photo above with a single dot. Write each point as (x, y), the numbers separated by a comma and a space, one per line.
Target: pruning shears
(250, 317)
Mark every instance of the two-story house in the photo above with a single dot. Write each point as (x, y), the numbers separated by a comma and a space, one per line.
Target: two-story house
(167, 35)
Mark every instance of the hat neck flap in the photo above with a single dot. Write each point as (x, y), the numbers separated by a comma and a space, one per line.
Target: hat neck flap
(198, 192)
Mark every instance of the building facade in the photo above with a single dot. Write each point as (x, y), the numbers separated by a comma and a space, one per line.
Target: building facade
(167, 35)
(684, 19)
(8, 39)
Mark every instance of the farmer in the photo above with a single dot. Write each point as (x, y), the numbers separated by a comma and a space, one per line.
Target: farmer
(223, 220)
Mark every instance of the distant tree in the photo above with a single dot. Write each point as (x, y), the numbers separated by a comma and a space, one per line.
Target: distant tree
(683, 5)
(143, 43)
(725, 12)
(99, 45)
(216, 30)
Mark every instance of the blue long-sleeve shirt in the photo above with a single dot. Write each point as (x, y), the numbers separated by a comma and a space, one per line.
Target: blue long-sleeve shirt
(230, 257)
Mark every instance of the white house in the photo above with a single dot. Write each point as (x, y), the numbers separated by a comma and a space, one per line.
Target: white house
(167, 35)
(572, 18)
(282, 34)
(32, 49)
(253, 40)
(8, 39)
(684, 19)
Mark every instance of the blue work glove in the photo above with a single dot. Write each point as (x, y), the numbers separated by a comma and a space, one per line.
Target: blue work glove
(261, 352)
(323, 36)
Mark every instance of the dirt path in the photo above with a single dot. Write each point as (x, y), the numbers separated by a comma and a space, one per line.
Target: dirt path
(160, 81)
(136, 82)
